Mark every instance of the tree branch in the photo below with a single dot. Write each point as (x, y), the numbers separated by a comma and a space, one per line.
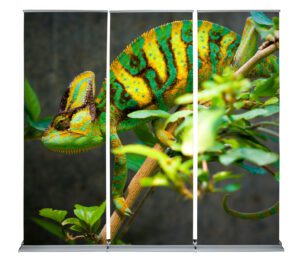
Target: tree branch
(259, 55)
(133, 190)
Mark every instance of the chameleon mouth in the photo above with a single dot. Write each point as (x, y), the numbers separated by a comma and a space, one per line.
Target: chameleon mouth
(72, 151)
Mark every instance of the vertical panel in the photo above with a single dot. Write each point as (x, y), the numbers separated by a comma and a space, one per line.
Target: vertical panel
(195, 128)
(58, 47)
(150, 73)
(256, 189)
(107, 140)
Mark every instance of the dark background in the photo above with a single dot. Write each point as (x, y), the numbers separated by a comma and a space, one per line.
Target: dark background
(257, 192)
(57, 47)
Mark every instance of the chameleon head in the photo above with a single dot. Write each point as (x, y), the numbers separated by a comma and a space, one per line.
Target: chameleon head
(75, 128)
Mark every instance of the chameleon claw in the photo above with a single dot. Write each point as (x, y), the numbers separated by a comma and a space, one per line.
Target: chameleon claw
(122, 207)
(128, 212)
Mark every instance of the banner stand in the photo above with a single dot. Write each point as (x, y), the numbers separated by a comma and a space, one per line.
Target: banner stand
(152, 248)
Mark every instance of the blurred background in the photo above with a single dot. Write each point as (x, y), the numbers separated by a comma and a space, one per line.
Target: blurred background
(60, 45)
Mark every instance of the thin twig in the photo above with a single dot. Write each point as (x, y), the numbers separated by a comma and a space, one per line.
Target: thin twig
(268, 131)
(204, 165)
(259, 55)
(267, 168)
(265, 123)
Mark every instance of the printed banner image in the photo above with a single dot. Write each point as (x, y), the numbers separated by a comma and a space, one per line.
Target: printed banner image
(151, 130)
(65, 59)
(151, 69)
(239, 120)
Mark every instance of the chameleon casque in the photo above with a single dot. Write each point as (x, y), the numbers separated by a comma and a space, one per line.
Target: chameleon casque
(150, 73)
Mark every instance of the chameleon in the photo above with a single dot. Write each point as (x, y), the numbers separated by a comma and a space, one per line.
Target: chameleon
(150, 73)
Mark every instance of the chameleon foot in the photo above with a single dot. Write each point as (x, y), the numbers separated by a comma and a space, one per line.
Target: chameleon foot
(121, 206)
(164, 136)
(271, 39)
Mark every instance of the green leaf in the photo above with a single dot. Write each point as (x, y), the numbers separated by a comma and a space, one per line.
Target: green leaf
(208, 124)
(203, 175)
(256, 156)
(277, 176)
(53, 214)
(142, 150)
(243, 140)
(158, 180)
(31, 101)
(209, 93)
(271, 101)
(218, 146)
(185, 125)
(225, 175)
(267, 87)
(184, 99)
(252, 169)
(89, 215)
(249, 114)
(73, 221)
(264, 112)
(78, 229)
(271, 109)
(51, 227)
(238, 105)
(275, 23)
(187, 145)
(229, 188)
(268, 136)
(261, 18)
(149, 113)
(176, 116)
(134, 161)
(145, 135)
(41, 124)
(187, 166)
(264, 30)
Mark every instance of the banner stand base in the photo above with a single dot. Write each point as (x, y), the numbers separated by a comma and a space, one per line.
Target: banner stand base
(151, 248)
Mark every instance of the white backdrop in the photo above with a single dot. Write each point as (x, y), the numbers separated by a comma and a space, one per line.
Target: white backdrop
(11, 138)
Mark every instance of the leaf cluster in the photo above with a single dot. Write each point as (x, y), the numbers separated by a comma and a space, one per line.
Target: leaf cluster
(266, 27)
(235, 122)
(84, 225)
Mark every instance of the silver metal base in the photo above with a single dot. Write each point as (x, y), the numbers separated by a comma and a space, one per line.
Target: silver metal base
(151, 248)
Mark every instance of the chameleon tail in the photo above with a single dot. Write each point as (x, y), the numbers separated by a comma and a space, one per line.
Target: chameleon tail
(250, 216)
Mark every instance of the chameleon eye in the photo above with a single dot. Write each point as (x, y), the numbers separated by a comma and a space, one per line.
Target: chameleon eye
(62, 124)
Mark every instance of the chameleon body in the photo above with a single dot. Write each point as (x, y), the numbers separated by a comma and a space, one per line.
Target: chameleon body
(150, 73)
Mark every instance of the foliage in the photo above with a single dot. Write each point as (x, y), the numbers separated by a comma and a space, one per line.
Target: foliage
(34, 125)
(267, 28)
(84, 225)
(235, 120)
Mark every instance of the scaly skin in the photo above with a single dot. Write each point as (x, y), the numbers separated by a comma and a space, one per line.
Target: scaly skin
(150, 73)
(274, 209)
